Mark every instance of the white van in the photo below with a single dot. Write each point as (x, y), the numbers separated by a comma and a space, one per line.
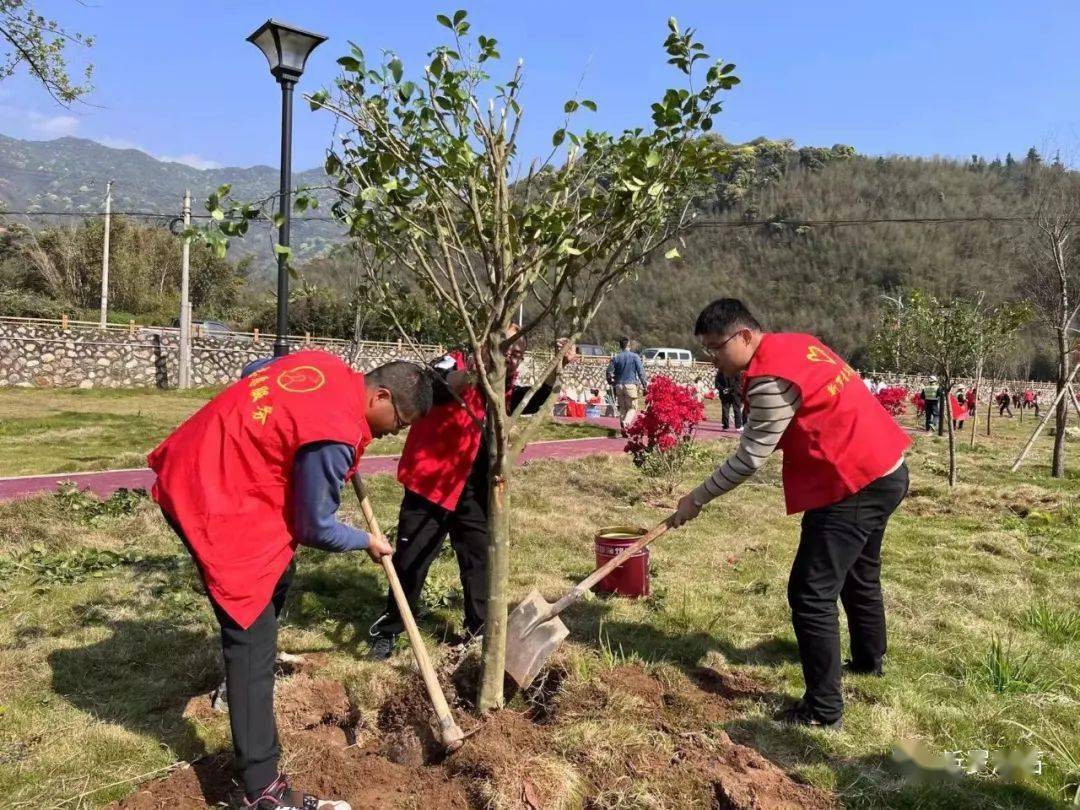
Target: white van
(667, 357)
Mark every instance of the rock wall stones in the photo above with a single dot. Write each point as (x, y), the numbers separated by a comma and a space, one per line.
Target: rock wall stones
(44, 355)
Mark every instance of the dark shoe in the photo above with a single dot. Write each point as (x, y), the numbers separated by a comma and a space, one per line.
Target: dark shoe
(851, 669)
(279, 796)
(463, 642)
(801, 715)
(382, 646)
(219, 698)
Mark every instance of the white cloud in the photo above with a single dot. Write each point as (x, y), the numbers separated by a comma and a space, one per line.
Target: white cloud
(187, 158)
(38, 125)
(194, 161)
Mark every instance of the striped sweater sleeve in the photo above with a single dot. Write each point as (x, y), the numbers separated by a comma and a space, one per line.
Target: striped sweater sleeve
(773, 402)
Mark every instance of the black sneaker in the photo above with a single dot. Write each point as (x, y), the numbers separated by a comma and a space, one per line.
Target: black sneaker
(851, 669)
(801, 715)
(219, 698)
(279, 796)
(382, 646)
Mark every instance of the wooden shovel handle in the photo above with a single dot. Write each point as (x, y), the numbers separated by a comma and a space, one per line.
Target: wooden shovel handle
(451, 734)
(579, 590)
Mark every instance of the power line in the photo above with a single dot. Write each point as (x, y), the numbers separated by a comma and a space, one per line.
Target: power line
(702, 223)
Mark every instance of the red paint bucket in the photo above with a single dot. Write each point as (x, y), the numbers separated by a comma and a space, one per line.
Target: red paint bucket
(632, 577)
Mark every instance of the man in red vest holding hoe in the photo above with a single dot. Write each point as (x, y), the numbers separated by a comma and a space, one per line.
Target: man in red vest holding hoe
(255, 472)
(843, 468)
(444, 469)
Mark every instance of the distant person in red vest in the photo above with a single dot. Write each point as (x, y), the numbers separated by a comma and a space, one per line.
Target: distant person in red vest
(445, 471)
(255, 472)
(959, 408)
(843, 468)
(1003, 400)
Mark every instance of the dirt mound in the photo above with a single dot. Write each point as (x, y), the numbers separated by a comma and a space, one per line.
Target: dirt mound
(207, 782)
(623, 736)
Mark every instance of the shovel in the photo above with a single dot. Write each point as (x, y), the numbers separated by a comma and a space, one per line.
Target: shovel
(450, 735)
(534, 629)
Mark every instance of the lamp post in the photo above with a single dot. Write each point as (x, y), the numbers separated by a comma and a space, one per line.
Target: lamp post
(287, 50)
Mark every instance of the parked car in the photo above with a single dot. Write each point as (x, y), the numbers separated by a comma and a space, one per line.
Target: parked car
(207, 328)
(667, 357)
(590, 350)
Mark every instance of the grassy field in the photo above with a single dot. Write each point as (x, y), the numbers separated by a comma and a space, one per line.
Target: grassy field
(69, 430)
(106, 634)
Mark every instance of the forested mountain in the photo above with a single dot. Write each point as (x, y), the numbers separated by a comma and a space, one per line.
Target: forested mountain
(829, 279)
(824, 278)
(69, 175)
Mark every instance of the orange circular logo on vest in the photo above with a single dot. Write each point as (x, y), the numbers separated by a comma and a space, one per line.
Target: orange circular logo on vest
(301, 380)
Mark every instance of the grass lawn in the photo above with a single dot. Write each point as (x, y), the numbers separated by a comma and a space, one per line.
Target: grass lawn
(69, 430)
(106, 634)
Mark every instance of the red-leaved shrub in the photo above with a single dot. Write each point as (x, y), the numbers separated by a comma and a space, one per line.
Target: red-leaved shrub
(660, 437)
(893, 399)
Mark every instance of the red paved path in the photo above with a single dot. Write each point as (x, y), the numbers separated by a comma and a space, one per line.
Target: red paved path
(106, 482)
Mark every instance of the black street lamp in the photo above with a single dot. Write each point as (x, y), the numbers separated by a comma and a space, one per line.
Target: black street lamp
(287, 50)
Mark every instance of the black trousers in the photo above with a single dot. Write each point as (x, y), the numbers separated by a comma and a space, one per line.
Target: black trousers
(422, 527)
(931, 412)
(840, 556)
(250, 657)
(729, 406)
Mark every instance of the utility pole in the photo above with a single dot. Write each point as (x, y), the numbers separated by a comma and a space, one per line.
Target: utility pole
(105, 255)
(185, 309)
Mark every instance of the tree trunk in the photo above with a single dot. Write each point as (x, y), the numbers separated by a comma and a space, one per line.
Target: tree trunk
(498, 548)
(990, 405)
(947, 415)
(977, 389)
(1061, 414)
(498, 576)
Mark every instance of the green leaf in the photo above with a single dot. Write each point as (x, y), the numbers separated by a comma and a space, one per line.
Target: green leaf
(318, 98)
(672, 24)
(396, 68)
(350, 64)
(672, 254)
(444, 21)
(459, 15)
(218, 214)
(652, 160)
(558, 137)
(570, 106)
(589, 103)
(282, 250)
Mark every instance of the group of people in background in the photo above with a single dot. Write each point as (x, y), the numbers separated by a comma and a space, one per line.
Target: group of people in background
(1029, 399)
(929, 403)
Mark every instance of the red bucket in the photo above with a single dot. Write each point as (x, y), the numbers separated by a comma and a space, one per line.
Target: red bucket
(632, 577)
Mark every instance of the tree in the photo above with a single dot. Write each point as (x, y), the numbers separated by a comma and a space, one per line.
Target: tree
(1049, 252)
(40, 44)
(428, 176)
(947, 338)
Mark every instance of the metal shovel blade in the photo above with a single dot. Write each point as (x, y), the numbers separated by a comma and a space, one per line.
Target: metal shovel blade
(529, 643)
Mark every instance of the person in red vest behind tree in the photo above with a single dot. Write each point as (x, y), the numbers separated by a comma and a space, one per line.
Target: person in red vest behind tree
(843, 468)
(255, 472)
(444, 469)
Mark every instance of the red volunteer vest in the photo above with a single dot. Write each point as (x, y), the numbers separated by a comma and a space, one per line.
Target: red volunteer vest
(841, 438)
(441, 448)
(223, 475)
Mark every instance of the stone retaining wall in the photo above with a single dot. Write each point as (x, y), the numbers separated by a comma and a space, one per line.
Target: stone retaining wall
(52, 355)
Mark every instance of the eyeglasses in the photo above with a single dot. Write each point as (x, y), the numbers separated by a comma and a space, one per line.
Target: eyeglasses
(714, 350)
(399, 423)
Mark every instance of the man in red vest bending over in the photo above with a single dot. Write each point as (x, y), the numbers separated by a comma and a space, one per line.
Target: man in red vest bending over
(843, 469)
(444, 469)
(255, 472)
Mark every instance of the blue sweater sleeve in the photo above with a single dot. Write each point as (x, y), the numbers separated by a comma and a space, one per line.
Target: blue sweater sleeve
(639, 369)
(319, 471)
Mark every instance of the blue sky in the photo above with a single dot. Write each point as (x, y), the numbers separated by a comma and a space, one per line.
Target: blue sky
(925, 78)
